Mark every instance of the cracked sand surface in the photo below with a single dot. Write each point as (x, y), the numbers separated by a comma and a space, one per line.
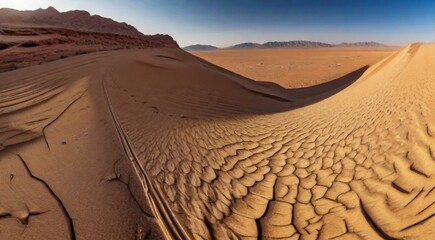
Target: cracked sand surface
(159, 144)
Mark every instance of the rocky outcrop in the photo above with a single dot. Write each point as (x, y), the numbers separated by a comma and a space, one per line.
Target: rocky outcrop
(76, 20)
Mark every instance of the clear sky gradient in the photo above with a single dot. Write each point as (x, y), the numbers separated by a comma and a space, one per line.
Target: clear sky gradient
(227, 22)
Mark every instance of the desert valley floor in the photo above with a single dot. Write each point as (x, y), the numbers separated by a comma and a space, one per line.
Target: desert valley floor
(158, 143)
(296, 67)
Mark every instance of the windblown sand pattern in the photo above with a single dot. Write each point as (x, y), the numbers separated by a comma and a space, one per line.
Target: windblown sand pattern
(150, 144)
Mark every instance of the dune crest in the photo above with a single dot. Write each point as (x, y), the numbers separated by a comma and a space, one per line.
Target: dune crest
(160, 144)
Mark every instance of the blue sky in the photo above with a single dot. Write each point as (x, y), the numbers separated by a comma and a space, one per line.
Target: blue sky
(226, 22)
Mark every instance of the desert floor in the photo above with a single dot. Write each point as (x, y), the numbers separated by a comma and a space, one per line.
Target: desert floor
(160, 144)
(293, 68)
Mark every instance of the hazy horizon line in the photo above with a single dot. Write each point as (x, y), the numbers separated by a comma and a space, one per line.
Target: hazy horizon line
(302, 40)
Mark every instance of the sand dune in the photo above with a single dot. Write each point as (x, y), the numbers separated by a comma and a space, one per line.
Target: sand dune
(149, 144)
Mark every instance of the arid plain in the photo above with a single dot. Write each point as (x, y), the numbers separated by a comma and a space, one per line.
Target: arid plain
(152, 142)
(295, 68)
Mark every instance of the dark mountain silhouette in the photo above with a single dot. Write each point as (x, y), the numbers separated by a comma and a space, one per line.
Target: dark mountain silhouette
(296, 44)
(200, 47)
(289, 44)
(303, 44)
(246, 45)
(361, 44)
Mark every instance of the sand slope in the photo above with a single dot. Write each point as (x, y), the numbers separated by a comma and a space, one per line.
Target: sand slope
(160, 144)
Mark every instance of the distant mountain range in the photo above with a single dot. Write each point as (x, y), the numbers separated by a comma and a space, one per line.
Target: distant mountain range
(200, 47)
(246, 45)
(361, 44)
(285, 44)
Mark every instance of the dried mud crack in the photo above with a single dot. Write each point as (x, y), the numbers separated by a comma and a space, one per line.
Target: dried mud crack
(202, 153)
(72, 233)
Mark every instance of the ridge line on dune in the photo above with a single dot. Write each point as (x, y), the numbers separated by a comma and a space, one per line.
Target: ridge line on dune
(64, 210)
(372, 223)
(152, 196)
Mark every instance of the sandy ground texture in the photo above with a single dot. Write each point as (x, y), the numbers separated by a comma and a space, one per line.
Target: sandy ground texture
(295, 68)
(155, 144)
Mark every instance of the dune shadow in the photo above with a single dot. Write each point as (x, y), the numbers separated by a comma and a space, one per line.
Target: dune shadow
(288, 98)
(197, 89)
(316, 93)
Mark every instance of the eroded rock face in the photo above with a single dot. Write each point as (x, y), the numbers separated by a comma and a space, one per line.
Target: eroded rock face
(206, 154)
(30, 38)
(75, 20)
(27, 46)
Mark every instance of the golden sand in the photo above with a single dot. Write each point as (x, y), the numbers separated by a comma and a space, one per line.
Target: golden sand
(160, 144)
